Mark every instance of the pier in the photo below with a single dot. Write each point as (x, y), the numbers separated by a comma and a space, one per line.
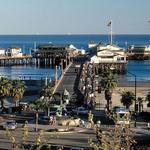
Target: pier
(117, 67)
(22, 60)
(52, 55)
(70, 81)
(44, 55)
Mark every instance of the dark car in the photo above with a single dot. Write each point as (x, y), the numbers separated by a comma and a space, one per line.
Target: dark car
(44, 119)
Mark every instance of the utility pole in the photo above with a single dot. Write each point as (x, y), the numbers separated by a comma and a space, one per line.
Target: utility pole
(135, 86)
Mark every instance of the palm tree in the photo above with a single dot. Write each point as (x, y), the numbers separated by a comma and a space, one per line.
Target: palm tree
(47, 94)
(108, 96)
(5, 88)
(39, 104)
(127, 98)
(108, 82)
(18, 90)
(148, 99)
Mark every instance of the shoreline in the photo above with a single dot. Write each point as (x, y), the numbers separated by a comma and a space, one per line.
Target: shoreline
(125, 83)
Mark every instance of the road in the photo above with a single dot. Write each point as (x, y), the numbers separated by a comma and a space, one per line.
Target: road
(79, 138)
(75, 139)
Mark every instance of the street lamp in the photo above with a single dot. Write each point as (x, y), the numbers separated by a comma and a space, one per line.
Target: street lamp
(135, 94)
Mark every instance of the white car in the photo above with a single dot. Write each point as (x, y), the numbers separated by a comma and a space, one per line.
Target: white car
(10, 124)
(80, 110)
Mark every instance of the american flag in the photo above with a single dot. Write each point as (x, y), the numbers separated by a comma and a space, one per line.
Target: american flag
(109, 24)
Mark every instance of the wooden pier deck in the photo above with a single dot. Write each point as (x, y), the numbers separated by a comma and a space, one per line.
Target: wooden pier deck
(70, 80)
(16, 60)
(15, 57)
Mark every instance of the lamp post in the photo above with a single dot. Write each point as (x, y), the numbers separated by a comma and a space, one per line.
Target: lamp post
(135, 85)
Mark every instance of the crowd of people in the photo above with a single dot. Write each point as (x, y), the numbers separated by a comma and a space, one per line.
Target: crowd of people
(88, 84)
(52, 120)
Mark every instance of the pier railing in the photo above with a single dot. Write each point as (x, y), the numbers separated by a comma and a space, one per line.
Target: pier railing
(60, 79)
(28, 77)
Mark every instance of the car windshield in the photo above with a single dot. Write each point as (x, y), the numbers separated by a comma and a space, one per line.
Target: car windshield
(10, 122)
(81, 108)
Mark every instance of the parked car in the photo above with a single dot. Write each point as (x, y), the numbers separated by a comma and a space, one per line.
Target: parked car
(75, 148)
(80, 110)
(10, 124)
(122, 112)
(59, 112)
(44, 119)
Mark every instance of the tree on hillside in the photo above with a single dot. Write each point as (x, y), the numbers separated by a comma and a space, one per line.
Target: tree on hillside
(17, 90)
(127, 98)
(5, 89)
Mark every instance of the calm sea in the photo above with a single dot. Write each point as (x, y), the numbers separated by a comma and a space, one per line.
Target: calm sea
(26, 42)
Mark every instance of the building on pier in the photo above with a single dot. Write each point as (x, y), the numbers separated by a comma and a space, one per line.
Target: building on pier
(2, 51)
(53, 54)
(13, 51)
(110, 56)
(13, 56)
(138, 52)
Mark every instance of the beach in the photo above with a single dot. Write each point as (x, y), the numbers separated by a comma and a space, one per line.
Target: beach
(142, 90)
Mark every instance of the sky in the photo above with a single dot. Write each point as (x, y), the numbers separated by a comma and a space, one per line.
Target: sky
(74, 16)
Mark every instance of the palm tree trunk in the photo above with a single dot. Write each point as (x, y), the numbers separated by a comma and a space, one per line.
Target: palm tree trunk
(108, 105)
(48, 111)
(36, 121)
(2, 102)
(15, 103)
(108, 96)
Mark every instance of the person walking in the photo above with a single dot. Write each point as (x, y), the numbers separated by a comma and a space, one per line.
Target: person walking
(148, 126)
(13, 142)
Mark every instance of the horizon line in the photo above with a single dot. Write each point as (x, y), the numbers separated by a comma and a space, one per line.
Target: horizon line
(77, 34)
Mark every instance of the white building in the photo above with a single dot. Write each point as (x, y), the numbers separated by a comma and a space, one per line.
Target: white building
(2, 51)
(14, 52)
(92, 44)
(139, 49)
(75, 51)
(109, 53)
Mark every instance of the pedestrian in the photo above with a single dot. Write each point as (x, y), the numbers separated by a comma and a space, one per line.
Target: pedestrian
(51, 120)
(148, 126)
(13, 142)
(99, 135)
(82, 123)
(54, 120)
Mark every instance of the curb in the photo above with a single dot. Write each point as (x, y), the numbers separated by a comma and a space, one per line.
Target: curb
(62, 132)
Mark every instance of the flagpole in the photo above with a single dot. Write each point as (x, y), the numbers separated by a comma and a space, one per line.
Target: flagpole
(111, 33)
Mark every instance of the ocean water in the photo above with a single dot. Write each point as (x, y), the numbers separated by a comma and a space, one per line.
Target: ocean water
(26, 42)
